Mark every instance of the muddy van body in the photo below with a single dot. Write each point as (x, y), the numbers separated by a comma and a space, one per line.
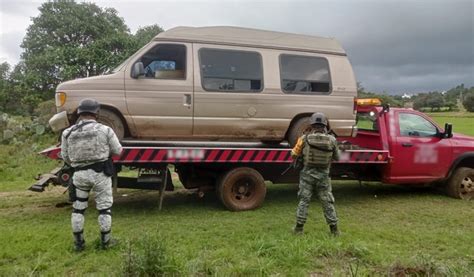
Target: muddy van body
(222, 83)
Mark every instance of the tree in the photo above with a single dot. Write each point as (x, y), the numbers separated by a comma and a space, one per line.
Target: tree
(468, 102)
(70, 40)
(435, 101)
(145, 34)
(420, 101)
(4, 85)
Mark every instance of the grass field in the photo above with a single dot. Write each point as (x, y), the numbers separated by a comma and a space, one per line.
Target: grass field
(386, 230)
(462, 122)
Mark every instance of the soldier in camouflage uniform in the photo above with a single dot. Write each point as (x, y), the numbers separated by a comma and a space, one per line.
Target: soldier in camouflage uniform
(317, 149)
(88, 146)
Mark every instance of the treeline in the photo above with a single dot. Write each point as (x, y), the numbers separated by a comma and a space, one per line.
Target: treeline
(430, 101)
(67, 40)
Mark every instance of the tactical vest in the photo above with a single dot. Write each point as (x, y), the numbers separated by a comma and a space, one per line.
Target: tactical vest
(318, 150)
(85, 144)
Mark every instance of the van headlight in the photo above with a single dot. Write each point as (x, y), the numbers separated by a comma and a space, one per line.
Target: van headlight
(60, 98)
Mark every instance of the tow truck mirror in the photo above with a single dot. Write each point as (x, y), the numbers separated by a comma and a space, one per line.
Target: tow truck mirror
(448, 130)
(138, 70)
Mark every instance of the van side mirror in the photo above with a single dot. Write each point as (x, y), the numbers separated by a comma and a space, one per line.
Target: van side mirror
(138, 70)
(448, 131)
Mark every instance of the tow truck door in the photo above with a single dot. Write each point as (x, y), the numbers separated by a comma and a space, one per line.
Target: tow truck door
(419, 153)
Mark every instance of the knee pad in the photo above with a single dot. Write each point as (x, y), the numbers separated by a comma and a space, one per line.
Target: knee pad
(78, 211)
(105, 212)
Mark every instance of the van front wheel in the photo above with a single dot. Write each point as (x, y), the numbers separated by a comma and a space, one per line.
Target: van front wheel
(112, 120)
(297, 129)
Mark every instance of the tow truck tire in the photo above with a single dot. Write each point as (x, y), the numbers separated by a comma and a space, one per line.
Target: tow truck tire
(297, 129)
(112, 120)
(241, 189)
(461, 184)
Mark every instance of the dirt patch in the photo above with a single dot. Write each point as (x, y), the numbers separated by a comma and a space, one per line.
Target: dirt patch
(402, 271)
(21, 202)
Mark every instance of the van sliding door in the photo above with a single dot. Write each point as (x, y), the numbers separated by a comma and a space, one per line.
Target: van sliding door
(228, 86)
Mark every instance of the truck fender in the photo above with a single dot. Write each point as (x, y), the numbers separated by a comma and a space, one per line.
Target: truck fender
(464, 160)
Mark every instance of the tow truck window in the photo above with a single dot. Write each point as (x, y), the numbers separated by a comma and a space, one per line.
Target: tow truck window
(165, 61)
(412, 125)
(231, 70)
(367, 122)
(304, 75)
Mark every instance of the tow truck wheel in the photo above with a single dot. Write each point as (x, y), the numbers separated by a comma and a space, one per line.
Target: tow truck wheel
(112, 120)
(461, 184)
(241, 189)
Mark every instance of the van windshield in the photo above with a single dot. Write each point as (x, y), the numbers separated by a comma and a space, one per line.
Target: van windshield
(120, 66)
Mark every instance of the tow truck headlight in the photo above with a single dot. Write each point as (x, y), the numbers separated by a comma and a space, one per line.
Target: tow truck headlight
(60, 98)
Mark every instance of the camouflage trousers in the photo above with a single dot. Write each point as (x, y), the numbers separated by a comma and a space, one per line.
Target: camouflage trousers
(315, 179)
(84, 182)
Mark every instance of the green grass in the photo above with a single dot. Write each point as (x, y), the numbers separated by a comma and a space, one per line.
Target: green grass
(20, 163)
(385, 230)
(462, 122)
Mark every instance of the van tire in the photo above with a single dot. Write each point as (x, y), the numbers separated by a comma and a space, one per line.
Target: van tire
(241, 189)
(297, 129)
(112, 120)
(461, 184)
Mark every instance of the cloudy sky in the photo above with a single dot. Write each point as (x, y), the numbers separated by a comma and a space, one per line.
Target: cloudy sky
(394, 45)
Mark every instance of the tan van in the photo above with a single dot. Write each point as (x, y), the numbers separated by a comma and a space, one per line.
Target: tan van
(222, 83)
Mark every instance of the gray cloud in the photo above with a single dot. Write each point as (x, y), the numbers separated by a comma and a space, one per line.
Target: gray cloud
(9, 48)
(19, 7)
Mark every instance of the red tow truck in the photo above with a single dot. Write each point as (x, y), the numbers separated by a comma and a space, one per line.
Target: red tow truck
(393, 145)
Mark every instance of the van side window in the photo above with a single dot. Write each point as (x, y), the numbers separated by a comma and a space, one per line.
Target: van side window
(165, 61)
(304, 75)
(230, 70)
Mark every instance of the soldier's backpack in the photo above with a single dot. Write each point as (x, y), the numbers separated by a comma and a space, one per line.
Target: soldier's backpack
(318, 150)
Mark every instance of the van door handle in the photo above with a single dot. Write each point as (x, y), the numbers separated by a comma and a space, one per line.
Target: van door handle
(187, 100)
(407, 144)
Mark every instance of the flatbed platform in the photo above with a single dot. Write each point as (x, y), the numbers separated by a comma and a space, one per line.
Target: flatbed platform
(185, 152)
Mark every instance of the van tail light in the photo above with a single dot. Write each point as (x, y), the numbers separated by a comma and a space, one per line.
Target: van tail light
(60, 98)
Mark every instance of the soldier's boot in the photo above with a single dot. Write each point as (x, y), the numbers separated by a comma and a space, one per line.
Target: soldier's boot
(334, 230)
(106, 240)
(79, 242)
(298, 229)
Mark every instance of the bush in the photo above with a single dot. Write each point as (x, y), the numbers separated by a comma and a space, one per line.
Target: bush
(149, 256)
(468, 102)
(16, 129)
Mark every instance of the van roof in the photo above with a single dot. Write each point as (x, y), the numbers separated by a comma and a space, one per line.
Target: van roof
(252, 37)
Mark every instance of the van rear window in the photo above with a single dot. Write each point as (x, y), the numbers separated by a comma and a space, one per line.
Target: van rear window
(231, 70)
(304, 75)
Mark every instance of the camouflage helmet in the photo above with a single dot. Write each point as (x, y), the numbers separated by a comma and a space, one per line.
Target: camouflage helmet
(88, 105)
(318, 118)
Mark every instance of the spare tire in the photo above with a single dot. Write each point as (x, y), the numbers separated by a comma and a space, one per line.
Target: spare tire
(241, 189)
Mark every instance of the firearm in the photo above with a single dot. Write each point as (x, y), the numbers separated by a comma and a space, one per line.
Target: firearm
(297, 164)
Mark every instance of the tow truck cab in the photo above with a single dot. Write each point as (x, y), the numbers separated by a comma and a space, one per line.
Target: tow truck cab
(421, 152)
